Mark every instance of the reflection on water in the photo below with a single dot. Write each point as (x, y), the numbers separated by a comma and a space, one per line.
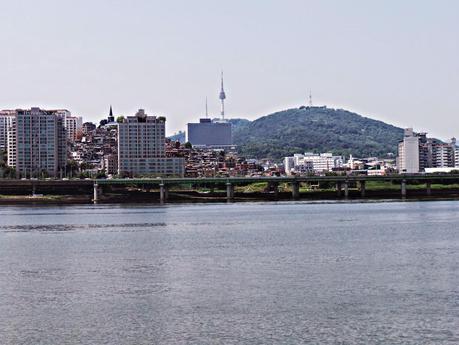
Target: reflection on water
(294, 273)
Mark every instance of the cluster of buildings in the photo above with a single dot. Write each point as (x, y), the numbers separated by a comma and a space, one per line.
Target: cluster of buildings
(41, 143)
(311, 163)
(53, 143)
(418, 153)
(322, 163)
(37, 143)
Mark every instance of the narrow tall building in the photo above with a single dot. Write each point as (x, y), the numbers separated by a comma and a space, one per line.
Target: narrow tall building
(37, 143)
(409, 153)
(73, 125)
(142, 148)
(6, 120)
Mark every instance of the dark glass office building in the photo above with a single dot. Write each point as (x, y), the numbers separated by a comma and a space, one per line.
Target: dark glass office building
(210, 133)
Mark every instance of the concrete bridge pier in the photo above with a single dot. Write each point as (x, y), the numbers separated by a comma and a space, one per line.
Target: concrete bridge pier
(338, 189)
(95, 198)
(34, 189)
(274, 186)
(229, 191)
(346, 189)
(429, 188)
(295, 190)
(403, 188)
(362, 189)
(163, 193)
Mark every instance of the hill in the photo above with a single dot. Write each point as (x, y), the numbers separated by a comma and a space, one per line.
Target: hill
(315, 129)
(180, 136)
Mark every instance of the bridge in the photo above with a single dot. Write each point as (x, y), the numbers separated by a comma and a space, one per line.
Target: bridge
(341, 183)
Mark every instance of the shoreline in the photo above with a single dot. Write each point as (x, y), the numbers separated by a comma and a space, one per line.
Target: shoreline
(205, 198)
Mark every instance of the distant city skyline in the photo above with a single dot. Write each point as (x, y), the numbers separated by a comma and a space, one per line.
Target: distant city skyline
(393, 61)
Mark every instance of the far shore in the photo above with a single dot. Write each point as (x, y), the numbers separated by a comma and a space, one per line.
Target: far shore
(205, 197)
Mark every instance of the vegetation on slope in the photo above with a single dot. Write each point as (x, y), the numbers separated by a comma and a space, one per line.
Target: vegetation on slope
(315, 129)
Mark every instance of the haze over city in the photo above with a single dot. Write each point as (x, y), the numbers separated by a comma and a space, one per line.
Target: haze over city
(393, 61)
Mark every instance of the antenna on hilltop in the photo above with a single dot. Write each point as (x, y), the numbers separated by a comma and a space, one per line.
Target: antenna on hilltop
(310, 98)
(207, 111)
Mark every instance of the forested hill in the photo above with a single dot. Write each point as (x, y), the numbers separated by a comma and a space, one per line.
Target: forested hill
(315, 129)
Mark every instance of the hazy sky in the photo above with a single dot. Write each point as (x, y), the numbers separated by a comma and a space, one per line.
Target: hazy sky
(396, 61)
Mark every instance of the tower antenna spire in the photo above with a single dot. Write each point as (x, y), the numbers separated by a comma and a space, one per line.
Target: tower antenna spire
(111, 118)
(222, 98)
(310, 98)
(207, 111)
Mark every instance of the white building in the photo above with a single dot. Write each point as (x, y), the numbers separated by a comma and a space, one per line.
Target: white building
(6, 119)
(142, 147)
(408, 153)
(11, 143)
(73, 124)
(289, 165)
(456, 157)
(313, 162)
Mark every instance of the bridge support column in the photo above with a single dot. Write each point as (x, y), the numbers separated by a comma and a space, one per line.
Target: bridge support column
(163, 193)
(338, 189)
(229, 191)
(429, 188)
(295, 190)
(362, 189)
(96, 193)
(403, 188)
(346, 189)
(34, 189)
(274, 186)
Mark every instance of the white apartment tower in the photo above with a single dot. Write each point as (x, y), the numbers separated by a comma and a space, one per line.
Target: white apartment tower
(37, 143)
(408, 153)
(6, 120)
(142, 148)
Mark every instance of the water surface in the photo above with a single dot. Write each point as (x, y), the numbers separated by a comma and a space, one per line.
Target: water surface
(251, 273)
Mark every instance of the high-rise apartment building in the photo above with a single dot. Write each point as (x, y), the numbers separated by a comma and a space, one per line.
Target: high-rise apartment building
(408, 160)
(73, 125)
(37, 143)
(142, 147)
(6, 119)
(416, 152)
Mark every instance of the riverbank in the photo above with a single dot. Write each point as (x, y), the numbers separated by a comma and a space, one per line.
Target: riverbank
(191, 196)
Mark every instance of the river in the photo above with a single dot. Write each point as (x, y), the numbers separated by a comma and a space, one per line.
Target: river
(242, 273)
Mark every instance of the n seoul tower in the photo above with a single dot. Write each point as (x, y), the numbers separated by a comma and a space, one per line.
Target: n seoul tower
(222, 99)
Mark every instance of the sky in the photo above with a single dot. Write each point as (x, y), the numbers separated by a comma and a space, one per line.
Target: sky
(391, 60)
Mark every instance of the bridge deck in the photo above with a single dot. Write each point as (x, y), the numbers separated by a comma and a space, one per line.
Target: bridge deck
(233, 180)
